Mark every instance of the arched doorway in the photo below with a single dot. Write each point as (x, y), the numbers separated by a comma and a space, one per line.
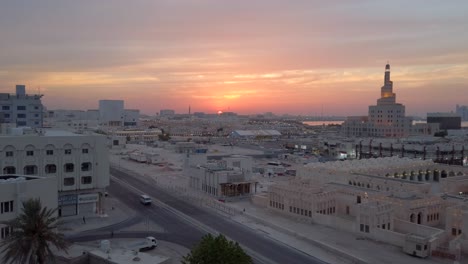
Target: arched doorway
(428, 175)
(419, 218)
(412, 218)
(436, 175)
(443, 174)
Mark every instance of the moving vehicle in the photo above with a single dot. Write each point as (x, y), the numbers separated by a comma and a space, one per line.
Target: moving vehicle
(145, 199)
(147, 244)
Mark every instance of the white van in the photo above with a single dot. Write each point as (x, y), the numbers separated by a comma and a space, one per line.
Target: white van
(145, 199)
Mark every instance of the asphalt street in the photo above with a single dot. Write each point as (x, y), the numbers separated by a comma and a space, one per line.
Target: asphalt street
(126, 184)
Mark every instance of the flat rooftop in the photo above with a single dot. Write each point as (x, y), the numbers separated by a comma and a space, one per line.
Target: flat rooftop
(390, 179)
(60, 133)
(9, 178)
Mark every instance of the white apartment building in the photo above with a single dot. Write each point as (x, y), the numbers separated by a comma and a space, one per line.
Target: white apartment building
(21, 108)
(386, 119)
(15, 189)
(79, 162)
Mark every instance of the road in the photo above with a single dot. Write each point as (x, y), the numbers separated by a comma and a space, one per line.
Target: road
(272, 251)
(175, 230)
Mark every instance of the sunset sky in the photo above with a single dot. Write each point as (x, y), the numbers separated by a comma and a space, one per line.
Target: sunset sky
(242, 56)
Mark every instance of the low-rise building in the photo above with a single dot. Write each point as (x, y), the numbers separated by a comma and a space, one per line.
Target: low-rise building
(223, 179)
(418, 205)
(17, 188)
(445, 120)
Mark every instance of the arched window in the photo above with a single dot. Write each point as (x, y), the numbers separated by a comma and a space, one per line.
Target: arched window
(9, 170)
(50, 168)
(86, 166)
(49, 150)
(412, 218)
(69, 167)
(420, 218)
(30, 170)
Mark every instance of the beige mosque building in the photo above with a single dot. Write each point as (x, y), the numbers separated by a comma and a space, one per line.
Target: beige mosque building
(386, 119)
(418, 205)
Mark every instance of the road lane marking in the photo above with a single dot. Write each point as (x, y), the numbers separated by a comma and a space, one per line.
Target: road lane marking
(260, 258)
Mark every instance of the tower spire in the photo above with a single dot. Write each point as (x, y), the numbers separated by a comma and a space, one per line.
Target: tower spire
(387, 73)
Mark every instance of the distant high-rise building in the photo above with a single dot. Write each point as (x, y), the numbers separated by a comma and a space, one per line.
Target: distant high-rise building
(386, 119)
(462, 111)
(111, 112)
(21, 109)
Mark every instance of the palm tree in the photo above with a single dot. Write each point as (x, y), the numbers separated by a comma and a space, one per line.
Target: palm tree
(34, 231)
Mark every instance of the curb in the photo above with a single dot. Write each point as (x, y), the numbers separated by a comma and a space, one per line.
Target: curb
(319, 244)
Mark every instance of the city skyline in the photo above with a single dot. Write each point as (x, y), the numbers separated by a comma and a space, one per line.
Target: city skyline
(247, 58)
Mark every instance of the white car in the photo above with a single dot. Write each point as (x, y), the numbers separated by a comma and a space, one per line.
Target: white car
(145, 199)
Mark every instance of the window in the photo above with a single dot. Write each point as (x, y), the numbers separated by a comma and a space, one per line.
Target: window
(86, 180)
(84, 151)
(36, 107)
(68, 181)
(361, 228)
(21, 115)
(21, 107)
(30, 170)
(69, 167)
(68, 152)
(21, 123)
(454, 231)
(5, 232)
(50, 168)
(367, 229)
(418, 247)
(9, 153)
(6, 115)
(9, 170)
(29, 153)
(6, 207)
(49, 152)
(5, 107)
(86, 166)
(36, 115)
